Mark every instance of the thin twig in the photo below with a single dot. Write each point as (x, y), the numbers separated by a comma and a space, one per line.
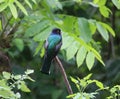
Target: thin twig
(64, 75)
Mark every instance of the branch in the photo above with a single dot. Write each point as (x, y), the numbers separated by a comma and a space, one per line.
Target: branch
(64, 75)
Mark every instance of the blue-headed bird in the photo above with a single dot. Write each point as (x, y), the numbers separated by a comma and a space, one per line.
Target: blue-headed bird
(52, 47)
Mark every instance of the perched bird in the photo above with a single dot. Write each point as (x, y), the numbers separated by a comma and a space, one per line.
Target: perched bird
(52, 47)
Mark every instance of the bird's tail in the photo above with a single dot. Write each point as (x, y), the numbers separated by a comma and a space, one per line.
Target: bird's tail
(46, 66)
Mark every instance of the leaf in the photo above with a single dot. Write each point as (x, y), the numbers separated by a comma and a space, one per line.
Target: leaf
(3, 6)
(108, 28)
(97, 55)
(73, 80)
(90, 59)
(116, 3)
(36, 28)
(43, 34)
(17, 77)
(104, 11)
(102, 31)
(85, 32)
(67, 41)
(0, 25)
(24, 87)
(28, 3)
(34, 1)
(6, 94)
(13, 10)
(21, 7)
(1, 1)
(29, 71)
(81, 56)
(6, 75)
(18, 43)
(88, 76)
(92, 26)
(71, 50)
(40, 45)
(102, 2)
(99, 84)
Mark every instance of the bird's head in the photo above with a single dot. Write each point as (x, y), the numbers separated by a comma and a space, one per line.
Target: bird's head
(56, 31)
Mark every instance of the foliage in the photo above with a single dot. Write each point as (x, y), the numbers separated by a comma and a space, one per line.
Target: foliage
(115, 92)
(10, 84)
(82, 84)
(87, 29)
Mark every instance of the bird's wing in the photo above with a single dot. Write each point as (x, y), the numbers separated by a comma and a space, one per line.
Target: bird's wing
(57, 47)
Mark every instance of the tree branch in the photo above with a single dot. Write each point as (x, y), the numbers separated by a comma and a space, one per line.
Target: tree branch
(64, 75)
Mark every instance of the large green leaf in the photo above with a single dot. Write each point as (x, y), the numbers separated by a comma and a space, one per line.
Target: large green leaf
(67, 41)
(85, 32)
(71, 50)
(116, 3)
(104, 11)
(102, 31)
(81, 55)
(90, 59)
(13, 10)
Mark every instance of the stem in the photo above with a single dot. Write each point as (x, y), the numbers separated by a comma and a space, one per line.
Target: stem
(69, 89)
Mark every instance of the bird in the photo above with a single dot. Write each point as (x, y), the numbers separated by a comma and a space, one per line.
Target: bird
(52, 46)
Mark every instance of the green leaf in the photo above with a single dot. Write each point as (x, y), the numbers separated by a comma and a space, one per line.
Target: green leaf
(1, 1)
(73, 80)
(99, 84)
(43, 34)
(17, 77)
(104, 11)
(34, 1)
(13, 10)
(102, 2)
(92, 26)
(6, 75)
(116, 3)
(0, 25)
(88, 76)
(40, 45)
(21, 7)
(108, 28)
(102, 31)
(29, 71)
(3, 6)
(28, 3)
(24, 87)
(36, 28)
(71, 96)
(18, 43)
(90, 59)
(6, 94)
(81, 56)
(71, 50)
(67, 41)
(85, 32)
(97, 55)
